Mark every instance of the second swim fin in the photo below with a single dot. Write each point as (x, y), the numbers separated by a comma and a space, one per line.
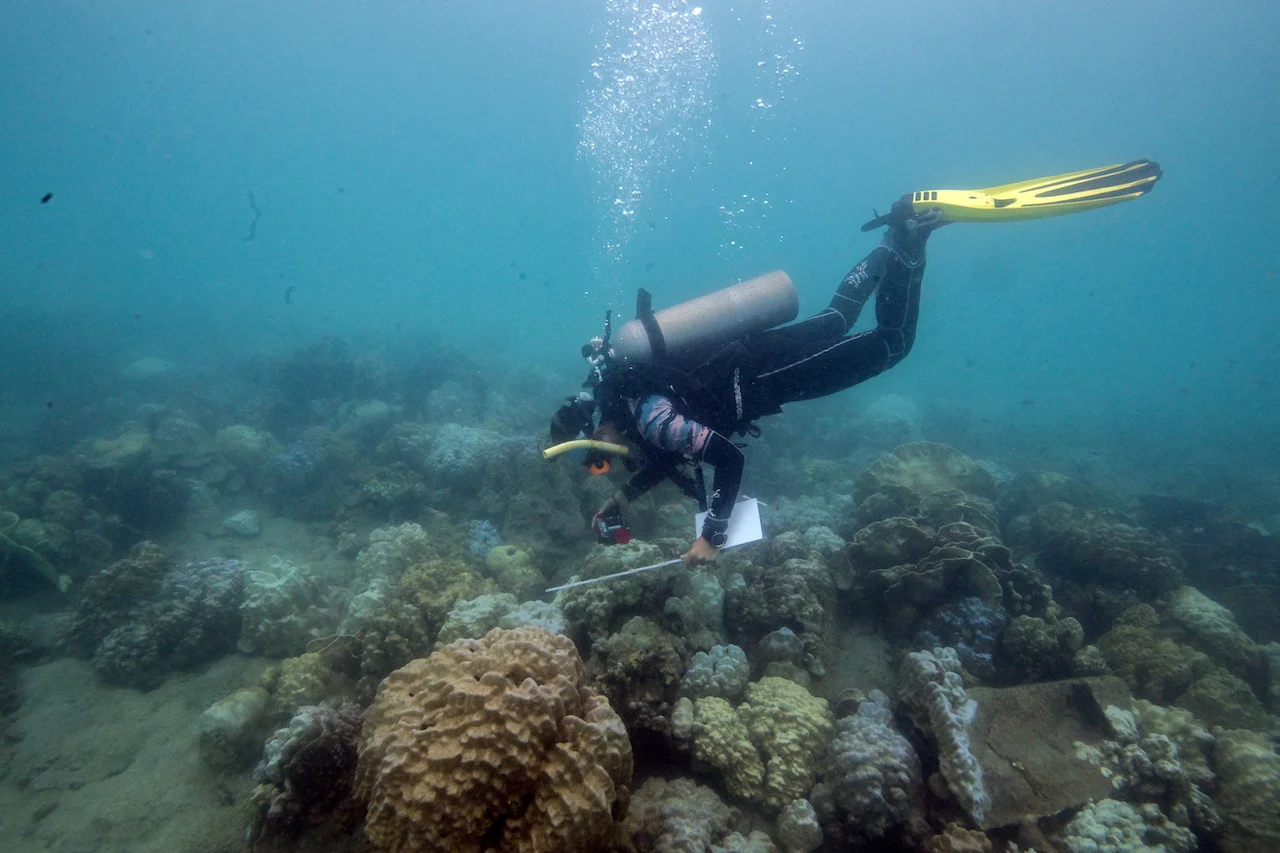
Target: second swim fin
(1039, 197)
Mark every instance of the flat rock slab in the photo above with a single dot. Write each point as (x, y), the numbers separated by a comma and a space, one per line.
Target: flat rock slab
(1025, 739)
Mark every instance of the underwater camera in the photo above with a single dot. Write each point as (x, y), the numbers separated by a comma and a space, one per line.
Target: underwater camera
(611, 529)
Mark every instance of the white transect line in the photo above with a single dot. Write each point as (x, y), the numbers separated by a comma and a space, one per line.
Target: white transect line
(617, 575)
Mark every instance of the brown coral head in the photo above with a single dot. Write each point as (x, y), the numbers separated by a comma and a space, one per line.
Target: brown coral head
(496, 744)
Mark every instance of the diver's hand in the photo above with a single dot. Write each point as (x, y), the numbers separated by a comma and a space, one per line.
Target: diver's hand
(613, 504)
(700, 553)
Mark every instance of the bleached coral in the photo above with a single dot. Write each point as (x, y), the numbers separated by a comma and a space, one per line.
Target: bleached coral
(1112, 826)
(284, 609)
(723, 671)
(392, 550)
(933, 691)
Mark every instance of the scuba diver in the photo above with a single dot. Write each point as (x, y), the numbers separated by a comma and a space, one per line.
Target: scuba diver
(668, 393)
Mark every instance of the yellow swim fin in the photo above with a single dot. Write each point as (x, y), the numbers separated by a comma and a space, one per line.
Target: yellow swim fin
(1038, 198)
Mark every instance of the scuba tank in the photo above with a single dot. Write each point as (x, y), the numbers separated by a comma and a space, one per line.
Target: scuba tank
(686, 333)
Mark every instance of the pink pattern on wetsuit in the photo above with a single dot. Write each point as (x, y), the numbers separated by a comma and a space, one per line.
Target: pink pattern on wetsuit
(664, 427)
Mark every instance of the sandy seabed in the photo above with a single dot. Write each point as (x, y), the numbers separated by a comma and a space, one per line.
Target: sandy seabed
(94, 769)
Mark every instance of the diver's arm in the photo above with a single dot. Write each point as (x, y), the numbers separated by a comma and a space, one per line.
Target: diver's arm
(723, 455)
(641, 481)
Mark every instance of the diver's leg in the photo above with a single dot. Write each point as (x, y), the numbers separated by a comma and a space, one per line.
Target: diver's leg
(789, 365)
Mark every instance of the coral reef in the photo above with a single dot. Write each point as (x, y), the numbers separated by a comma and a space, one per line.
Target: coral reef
(638, 670)
(1035, 649)
(113, 596)
(493, 743)
(790, 729)
(798, 594)
(1249, 794)
(514, 571)
(1208, 626)
(721, 741)
(723, 671)
(964, 562)
(1156, 668)
(436, 586)
(598, 610)
(193, 615)
(1147, 765)
(1105, 548)
(310, 477)
(676, 816)
(798, 828)
(245, 447)
(284, 609)
(392, 550)
(956, 839)
(1221, 699)
(1112, 826)
(933, 692)
(12, 548)
(871, 787)
(391, 632)
(925, 467)
(894, 541)
(970, 626)
(696, 611)
(473, 618)
(307, 771)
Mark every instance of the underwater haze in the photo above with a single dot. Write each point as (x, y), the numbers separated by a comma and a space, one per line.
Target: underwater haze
(411, 161)
(292, 289)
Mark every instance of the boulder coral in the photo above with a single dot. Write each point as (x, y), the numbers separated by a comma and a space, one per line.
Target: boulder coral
(493, 744)
(925, 467)
(872, 787)
(1105, 548)
(638, 670)
(285, 607)
(676, 816)
(1249, 794)
(798, 594)
(791, 729)
(306, 772)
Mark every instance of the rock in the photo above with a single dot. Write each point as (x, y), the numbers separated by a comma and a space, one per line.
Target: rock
(1025, 738)
(231, 729)
(246, 523)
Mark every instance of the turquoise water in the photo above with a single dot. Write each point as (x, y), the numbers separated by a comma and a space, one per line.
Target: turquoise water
(460, 191)
(405, 158)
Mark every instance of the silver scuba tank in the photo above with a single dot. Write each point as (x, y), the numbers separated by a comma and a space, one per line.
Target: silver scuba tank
(700, 327)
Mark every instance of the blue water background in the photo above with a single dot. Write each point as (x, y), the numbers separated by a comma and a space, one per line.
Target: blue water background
(411, 160)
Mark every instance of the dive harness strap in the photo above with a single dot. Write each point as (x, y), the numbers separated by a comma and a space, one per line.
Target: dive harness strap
(644, 313)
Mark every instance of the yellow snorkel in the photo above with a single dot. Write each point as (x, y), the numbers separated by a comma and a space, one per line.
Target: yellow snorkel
(596, 452)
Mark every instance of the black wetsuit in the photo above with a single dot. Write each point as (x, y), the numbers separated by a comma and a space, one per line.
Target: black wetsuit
(757, 375)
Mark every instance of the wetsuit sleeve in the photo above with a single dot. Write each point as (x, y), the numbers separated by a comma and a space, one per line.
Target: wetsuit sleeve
(854, 291)
(642, 481)
(663, 426)
(723, 455)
